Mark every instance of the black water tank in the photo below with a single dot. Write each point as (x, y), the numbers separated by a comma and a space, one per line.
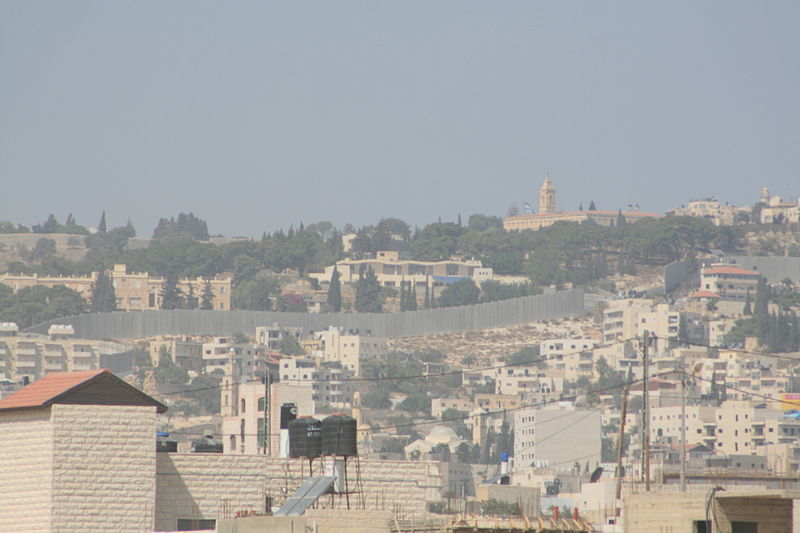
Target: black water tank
(305, 439)
(288, 413)
(339, 435)
(164, 444)
(206, 445)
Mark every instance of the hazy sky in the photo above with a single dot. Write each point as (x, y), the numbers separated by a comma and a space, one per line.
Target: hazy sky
(258, 115)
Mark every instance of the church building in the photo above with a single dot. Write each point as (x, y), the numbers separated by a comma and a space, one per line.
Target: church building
(549, 215)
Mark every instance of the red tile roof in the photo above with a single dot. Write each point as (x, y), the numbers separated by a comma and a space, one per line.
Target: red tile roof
(704, 294)
(54, 386)
(730, 271)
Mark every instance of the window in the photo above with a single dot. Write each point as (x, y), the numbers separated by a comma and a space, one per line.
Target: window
(195, 524)
(243, 405)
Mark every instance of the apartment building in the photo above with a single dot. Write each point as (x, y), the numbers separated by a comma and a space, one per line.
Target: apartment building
(350, 348)
(557, 437)
(554, 350)
(735, 427)
(391, 270)
(26, 358)
(272, 336)
(243, 415)
(135, 291)
(184, 352)
(631, 318)
(331, 383)
(252, 360)
(729, 282)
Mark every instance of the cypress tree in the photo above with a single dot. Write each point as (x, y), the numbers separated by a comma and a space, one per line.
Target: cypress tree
(592, 206)
(427, 301)
(402, 296)
(101, 226)
(104, 297)
(207, 298)
(335, 292)
(411, 304)
(190, 302)
(747, 311)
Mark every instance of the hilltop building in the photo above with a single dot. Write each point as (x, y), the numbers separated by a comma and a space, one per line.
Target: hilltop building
(135, 291)
(548, 214)
(775, 210)
(391, 270)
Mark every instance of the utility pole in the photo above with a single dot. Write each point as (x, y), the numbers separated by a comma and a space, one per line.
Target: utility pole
(683, 429)
(267, 402)
(646, 409)
(621, 443)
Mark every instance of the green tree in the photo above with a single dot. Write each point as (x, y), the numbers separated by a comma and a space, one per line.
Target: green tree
(101, 226)
(368, 293)
(416, 403)
(104, 298)
(468, 453)
(33, 305)
(376, 399)
(207, 298)
(290, 346)
(335, 292)
(170, 293)
(462, 292)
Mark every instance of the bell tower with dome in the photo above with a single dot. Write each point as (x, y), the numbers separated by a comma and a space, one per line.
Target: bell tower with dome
(547, 197)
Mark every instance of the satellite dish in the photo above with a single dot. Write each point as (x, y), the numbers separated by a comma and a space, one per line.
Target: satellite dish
(596, 474)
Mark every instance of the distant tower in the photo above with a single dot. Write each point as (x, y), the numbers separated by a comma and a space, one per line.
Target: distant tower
(765, 195)
(547, 197)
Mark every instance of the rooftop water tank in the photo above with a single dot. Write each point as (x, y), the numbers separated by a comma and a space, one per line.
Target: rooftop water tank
(164, 444)
(206, 444)
(339, 435)
(305, 439)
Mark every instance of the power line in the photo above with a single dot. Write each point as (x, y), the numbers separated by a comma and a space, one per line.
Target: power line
(416, 376)
(543, 403)
(737, 350)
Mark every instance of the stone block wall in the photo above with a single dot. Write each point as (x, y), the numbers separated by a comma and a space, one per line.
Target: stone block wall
(216, 486)
(103, 468)
(25, 471)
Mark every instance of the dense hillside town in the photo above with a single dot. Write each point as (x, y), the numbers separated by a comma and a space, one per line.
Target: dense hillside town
(550, 362)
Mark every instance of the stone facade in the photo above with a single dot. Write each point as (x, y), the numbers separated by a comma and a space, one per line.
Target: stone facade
(78, 468)
(26, 461)
(103, 468)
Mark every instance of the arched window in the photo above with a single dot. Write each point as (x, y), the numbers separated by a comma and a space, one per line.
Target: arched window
(243, 405)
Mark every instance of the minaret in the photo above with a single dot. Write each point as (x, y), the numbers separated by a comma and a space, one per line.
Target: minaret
(765, 195)
(547, 197)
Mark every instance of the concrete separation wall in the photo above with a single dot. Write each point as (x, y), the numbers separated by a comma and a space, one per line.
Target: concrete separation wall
(774, 268)
(139, 324)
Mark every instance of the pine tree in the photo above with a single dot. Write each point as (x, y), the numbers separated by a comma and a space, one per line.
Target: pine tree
(104, 297)
(335, 292)
(101, 226)
(368, 293)
(207, 298)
